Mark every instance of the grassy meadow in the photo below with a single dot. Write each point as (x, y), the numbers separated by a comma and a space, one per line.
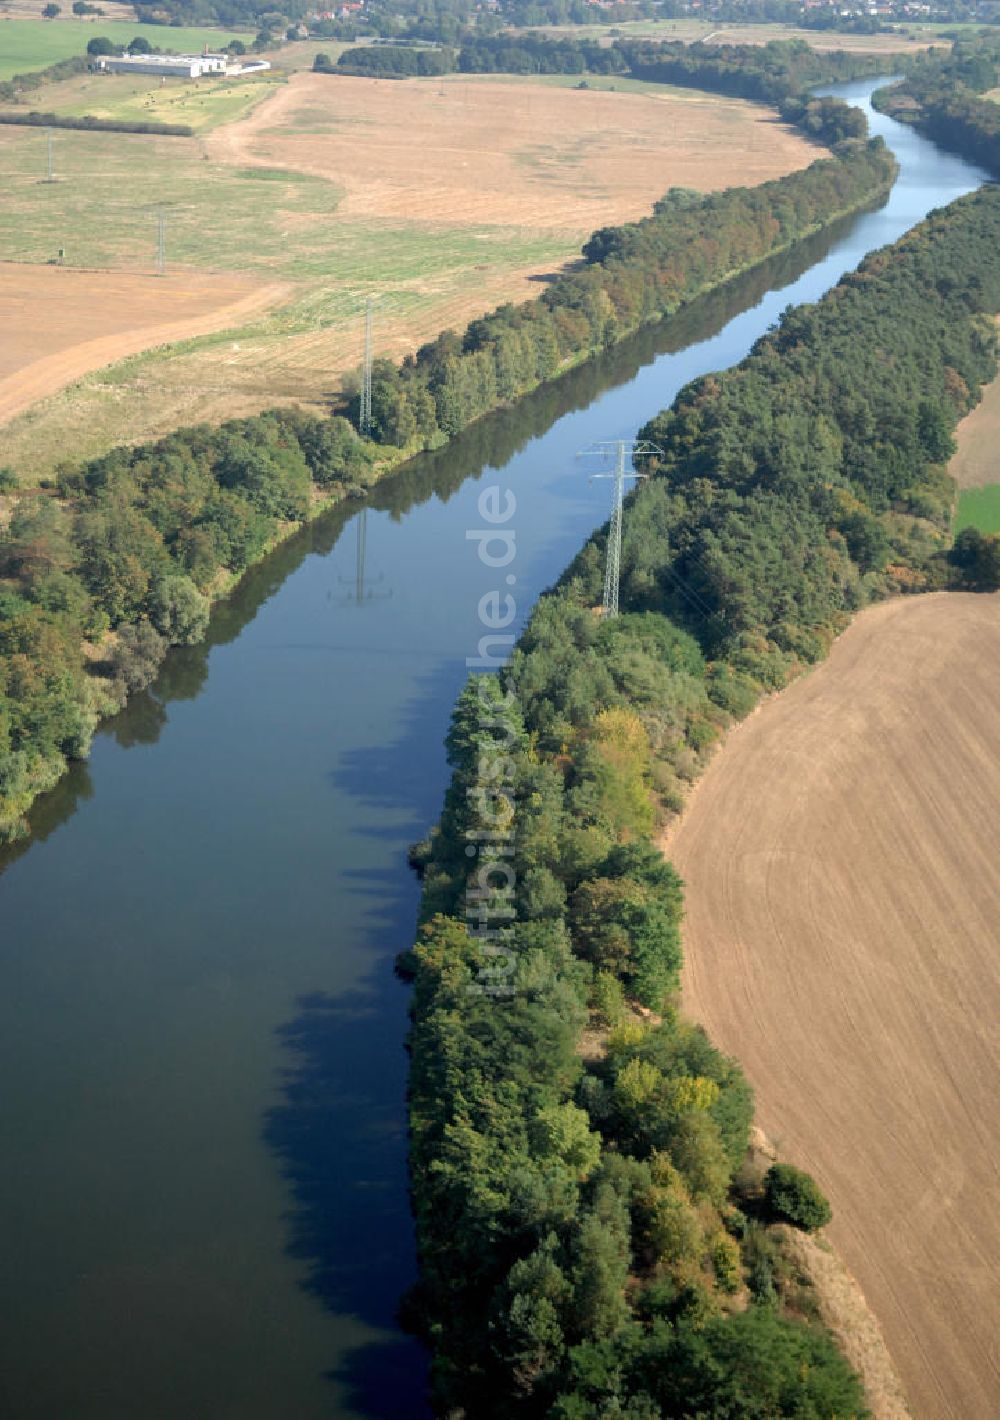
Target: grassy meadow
(201, 104)
(979, 508)
(276, 224)
(274, 221)
(26, 45)
(255, 203)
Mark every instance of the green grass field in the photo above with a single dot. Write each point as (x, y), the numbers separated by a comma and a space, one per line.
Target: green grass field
(110, 185)
(143, 98)
(979, 508)
(26, 45)
(276, 222)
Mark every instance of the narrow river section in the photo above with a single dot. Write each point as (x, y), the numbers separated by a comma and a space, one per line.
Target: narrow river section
(202, 1116)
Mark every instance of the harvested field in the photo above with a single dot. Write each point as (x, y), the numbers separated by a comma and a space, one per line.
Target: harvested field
(977, 459)
(484, 188)
(506, 151)
(63, 324)
(843, 941)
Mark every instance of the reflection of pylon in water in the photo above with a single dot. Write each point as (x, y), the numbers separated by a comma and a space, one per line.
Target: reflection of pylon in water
(363, 593)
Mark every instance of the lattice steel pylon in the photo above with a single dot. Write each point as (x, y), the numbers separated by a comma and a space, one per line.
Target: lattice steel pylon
(624, 450)
(365, 419)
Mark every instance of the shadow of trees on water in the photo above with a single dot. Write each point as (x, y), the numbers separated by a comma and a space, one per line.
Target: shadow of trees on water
(339, 1133)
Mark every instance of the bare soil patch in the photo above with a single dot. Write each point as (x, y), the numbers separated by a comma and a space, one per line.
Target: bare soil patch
(843, 941)
(977, 458)
(61, 324)
(469, 151)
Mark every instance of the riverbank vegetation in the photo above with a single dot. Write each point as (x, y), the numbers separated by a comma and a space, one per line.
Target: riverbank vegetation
(943, 97)
(633, 274)
(588, 1246)
(149, 534)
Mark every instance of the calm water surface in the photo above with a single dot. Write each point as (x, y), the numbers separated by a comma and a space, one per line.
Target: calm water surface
(201, 1068)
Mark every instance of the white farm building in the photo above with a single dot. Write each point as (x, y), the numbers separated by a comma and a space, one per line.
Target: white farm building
(184, 66)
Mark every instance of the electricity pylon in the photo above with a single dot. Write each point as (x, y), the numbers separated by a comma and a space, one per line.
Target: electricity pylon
(365, 419)
(625, 450)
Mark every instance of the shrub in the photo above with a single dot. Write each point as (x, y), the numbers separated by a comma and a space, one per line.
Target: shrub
(793, 1196)
(137, 656)
(178, 610)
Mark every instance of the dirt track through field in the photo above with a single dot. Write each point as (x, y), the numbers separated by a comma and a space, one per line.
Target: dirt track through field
(481, 150)
(62, 324)
(843, 941)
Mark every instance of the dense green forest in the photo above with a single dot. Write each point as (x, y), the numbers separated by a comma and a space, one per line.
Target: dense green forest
(588, 1243)
(139, 542)
(941, 97)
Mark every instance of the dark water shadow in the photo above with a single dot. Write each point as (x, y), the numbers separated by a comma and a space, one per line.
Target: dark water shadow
(407, 774)
(339, 1136)
(339, 1130)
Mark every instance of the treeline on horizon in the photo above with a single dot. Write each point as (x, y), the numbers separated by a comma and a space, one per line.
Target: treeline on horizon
(589, 1243)
(941, 97)
(140, 541)
(446, 20)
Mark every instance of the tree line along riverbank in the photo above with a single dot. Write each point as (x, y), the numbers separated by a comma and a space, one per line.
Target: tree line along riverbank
(123, 556)
(589, 1243)
(942, 97)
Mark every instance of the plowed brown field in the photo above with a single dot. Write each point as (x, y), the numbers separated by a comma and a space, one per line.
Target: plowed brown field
(843, 941)
(61, 324)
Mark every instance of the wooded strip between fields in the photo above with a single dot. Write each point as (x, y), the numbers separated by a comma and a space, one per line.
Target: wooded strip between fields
(584, 1217)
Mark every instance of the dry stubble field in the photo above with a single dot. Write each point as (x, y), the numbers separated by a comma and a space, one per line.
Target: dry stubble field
(506, 150)
(843, 942)
(446, 197)
(62, 323)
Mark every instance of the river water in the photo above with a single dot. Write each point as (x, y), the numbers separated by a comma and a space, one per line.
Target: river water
(202, 1126)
